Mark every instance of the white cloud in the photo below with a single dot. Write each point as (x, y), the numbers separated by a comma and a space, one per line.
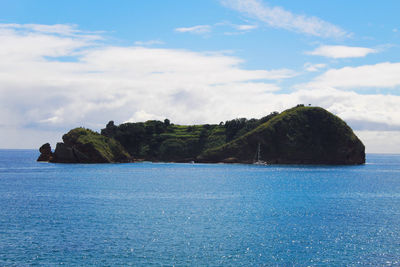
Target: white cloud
(54, 29)
(340, 51)
(149, 43)
(199, 29)
(362, 112)
(142, 115)
(246, 27)
(314, 67)
(40, 90)
(204, 29)
(70, 30)
(239, 28)
(380, 141)
(278, 17)
(382, 75)
(26, 138)
(43, 95)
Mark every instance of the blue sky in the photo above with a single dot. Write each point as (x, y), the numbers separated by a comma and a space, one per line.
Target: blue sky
(82, 63)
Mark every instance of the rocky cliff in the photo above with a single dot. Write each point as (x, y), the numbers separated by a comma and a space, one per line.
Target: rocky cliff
(85, 146)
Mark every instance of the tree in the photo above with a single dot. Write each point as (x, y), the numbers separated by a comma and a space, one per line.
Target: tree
(167, 122)
(172, 149)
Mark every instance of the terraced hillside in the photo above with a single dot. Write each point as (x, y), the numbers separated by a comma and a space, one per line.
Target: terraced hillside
(163, 141)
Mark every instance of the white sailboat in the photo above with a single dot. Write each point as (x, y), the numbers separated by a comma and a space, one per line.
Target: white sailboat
(258, 157)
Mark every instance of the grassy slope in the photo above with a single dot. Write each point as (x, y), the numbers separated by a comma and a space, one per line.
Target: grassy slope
(300, 134)
(107, 148)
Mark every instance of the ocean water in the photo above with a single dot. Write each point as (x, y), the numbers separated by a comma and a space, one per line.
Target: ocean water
(161, 214)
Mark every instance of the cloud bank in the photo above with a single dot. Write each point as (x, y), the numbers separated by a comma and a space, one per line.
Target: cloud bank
(382, 75)
(55, 78)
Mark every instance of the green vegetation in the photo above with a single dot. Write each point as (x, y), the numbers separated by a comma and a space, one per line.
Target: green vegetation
(88, 146)
(156, 140)
(300, 135)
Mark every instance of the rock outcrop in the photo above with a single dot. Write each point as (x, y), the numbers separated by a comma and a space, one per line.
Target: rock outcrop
(85, 146)
(45, 153)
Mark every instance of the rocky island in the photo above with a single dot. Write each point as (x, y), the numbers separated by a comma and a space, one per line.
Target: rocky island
(300, 135)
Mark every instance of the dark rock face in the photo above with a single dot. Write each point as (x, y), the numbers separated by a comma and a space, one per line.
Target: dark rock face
(85, 146)
(77, 153)
(45, 153)
(64, 154)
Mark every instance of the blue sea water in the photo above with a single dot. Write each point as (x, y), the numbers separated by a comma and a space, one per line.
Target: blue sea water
(198, 214)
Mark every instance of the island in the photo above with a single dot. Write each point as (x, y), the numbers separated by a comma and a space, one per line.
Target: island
(300, 135)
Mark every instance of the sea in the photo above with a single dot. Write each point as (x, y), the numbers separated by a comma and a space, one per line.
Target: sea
(170, 214)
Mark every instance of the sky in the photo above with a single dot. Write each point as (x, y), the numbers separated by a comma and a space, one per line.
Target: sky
(65, 64)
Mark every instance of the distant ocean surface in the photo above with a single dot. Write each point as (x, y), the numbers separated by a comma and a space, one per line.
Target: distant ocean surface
(198, 214)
